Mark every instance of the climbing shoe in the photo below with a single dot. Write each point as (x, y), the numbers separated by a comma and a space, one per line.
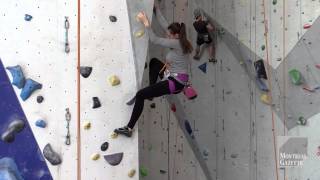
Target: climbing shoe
(124, 131)
(213, 60)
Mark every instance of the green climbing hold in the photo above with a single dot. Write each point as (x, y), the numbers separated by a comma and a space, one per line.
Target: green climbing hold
(143, 171)
(302, 121)
(263, 47)
(295, 76)
(274, 2)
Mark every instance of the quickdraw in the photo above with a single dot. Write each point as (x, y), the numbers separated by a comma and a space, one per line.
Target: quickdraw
(67, 26)
(68, 119)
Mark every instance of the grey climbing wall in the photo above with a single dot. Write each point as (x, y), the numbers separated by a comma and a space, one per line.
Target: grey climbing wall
(237, 133)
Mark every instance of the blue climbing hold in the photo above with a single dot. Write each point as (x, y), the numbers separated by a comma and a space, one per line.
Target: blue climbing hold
(203, 67)
(262, 86)
(29, 88)
(18, 78)
(188, 127)
(27, 17)
(41, 123)
(9, 170)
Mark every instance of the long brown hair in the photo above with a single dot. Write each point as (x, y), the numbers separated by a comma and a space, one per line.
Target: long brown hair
(177, 28)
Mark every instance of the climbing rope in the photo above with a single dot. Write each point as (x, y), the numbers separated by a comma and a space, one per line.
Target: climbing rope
(270, 87)
(78, 96)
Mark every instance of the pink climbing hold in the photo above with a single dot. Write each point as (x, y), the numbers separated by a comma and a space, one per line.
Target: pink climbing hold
(306, 26)
(318, 66)
(173, 108)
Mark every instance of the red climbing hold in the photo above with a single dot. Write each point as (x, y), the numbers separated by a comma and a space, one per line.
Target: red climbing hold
(173, 108)
(306, 26)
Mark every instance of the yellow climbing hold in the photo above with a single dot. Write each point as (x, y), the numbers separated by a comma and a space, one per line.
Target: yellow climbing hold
(95, 156)
(114, 80)
(87, 125)
(139, 33)
(265, 99)
(114, 135)
(131, 173)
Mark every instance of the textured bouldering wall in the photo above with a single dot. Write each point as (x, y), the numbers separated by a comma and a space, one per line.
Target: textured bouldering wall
(236, 132)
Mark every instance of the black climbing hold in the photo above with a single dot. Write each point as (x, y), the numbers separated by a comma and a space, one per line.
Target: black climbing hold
(163, 171)
(113, 18)
(260, 69)
(104, 146)
(96, 103)
(85, 71)
(145, 65)
(153, 105)
(40, 99)
(14, 127)
(129, 103)
(51, 156)
(188, 126)
(27, 17)
(114, 159)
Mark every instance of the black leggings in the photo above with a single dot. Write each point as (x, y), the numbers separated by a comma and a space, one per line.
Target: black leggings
(153, 90)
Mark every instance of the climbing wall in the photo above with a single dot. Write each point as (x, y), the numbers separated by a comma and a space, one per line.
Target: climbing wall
(237, 133)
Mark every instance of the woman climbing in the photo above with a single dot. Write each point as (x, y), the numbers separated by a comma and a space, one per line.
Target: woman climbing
(174, 72)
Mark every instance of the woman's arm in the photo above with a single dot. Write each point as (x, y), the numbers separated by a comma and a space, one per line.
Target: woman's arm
(165, 42)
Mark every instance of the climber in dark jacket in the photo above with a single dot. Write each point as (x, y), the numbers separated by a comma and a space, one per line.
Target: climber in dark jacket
(203, 29)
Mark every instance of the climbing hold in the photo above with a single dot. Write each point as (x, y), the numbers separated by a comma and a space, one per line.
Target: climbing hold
(295, 76)
(95, 156)
(14, 127)
(189, 92)
(114, 80)
(265, 99)
(234, 156)
(274, 2)
(203, 67)
(205, 152)
(51, 156)
(96, 103)
(143, 171)
(262, 86)
(260, 69)
(153, 105)
(41, 123)
(113, 18)
(131, 101)
(9, 169)
(163, 171)
(40, 99)
(306, 26)
(131, 173)
(85, 71)
(87, 125)
(114, 135)
(188, 127)
(145, 65)
(104, 146)
(114, 159)
(29, 88)
(302, 121)
(18, 78)
(307, 88)
(27, 17)
(173, 108)
(263, 47)
(139, 33)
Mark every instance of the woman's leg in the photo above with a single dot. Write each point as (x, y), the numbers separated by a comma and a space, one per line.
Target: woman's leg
(155, 90)
(154, 69)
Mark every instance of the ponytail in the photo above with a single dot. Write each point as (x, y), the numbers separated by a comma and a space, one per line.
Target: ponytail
(185, 44)
(177, 28)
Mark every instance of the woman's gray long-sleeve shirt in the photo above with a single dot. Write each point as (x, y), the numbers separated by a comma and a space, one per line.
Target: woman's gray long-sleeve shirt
(178, 61)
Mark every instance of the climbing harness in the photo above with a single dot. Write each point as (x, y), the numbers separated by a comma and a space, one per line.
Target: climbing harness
(68, 119)
(67, 26)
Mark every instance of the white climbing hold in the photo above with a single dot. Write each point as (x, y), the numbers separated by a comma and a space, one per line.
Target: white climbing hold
(95, 156)
(114, 135)
(114, 80)
(87, 125)
(131, 173)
